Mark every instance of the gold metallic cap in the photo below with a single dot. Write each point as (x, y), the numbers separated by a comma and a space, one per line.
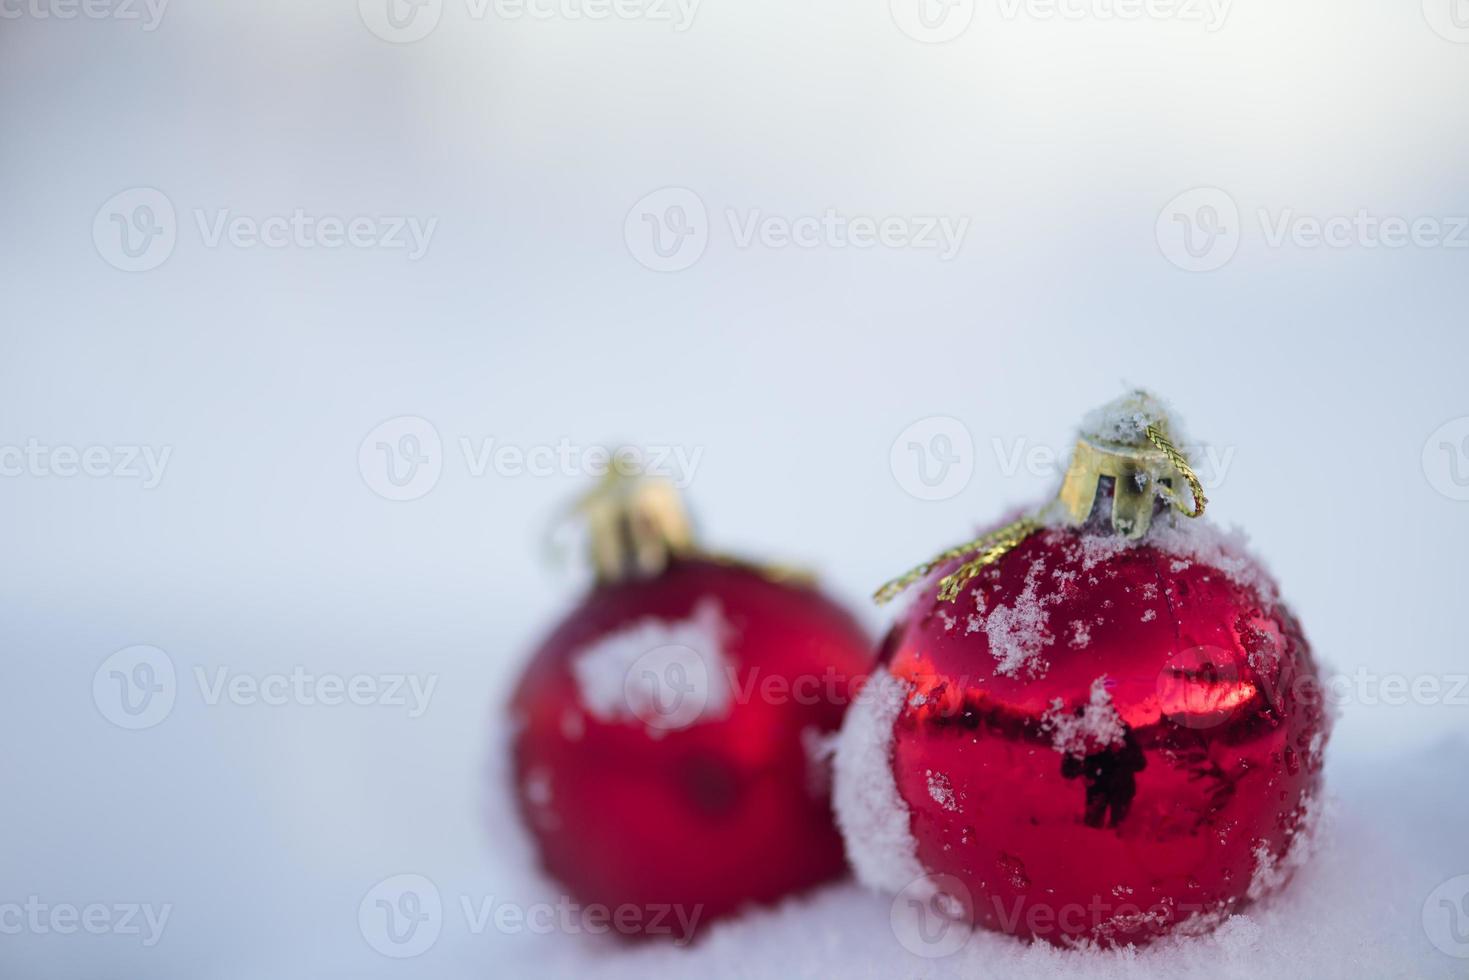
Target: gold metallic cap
(636, 525)
(1128, 442)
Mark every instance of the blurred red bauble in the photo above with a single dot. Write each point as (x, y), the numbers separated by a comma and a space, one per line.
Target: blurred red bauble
(670, 732)
(1104, 737)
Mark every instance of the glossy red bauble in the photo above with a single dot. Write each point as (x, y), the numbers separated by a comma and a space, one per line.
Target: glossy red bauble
(1104, 741)
(668, 734)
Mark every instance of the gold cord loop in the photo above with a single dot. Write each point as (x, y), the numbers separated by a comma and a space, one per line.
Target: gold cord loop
(1181, 465)
(991, 548)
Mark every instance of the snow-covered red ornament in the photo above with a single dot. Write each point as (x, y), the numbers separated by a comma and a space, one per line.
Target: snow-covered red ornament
(1099, 724)
(671, 756)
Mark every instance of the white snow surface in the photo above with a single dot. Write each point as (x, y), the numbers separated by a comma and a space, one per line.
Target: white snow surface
(873, 817)
(669, 674)
(941, 791)
(1126, 418)
(1020, 630)
(1190, 540)
(1391, 833)
(1095, 727)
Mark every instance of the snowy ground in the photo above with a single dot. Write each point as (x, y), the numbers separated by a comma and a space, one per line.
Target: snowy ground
(265, 831)
(1394, 834)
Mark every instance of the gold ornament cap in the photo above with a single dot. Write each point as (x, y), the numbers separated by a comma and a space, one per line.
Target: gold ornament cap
(636, 524)
(1130, 443)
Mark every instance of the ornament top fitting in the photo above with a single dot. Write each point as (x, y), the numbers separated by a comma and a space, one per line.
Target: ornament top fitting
(636, 524)
(1129, 443)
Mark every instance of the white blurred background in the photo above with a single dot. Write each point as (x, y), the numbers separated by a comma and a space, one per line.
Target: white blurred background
(142, 145)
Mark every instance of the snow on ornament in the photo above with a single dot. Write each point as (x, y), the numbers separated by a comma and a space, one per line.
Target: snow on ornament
(672, 744)
(1124, 718)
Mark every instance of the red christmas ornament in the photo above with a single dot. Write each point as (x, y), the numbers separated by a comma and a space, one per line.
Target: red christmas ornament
(668, 754)
(1109, 728)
